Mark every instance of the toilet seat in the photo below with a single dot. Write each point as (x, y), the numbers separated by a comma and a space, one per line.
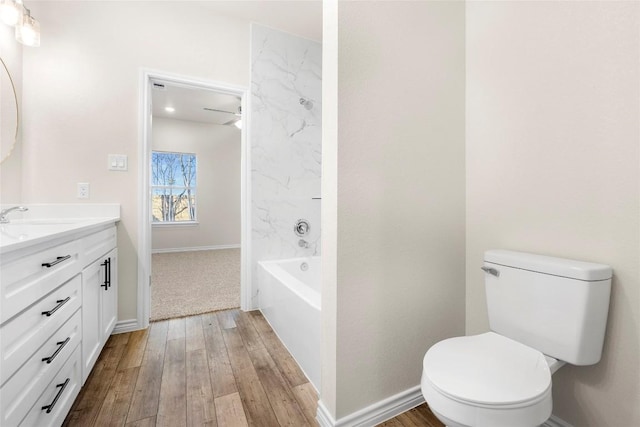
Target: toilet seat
(487, 380)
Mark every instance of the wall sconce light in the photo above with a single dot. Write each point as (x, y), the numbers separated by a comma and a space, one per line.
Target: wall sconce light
(13, 12)
(10, 11)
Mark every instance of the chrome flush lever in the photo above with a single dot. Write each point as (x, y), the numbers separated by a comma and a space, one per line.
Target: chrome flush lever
(491, 271)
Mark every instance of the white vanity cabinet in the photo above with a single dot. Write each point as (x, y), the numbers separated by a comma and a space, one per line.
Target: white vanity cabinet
(99, 295)
(47, 306)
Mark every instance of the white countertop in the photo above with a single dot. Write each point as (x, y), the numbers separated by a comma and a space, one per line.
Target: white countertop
(43, 223)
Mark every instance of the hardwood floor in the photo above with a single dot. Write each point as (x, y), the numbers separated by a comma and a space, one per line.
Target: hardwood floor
(217, 369)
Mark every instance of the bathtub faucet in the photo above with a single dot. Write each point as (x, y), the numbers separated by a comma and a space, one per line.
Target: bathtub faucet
(303, 243)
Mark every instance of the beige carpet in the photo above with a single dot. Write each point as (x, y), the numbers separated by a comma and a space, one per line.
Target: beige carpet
(188, 283)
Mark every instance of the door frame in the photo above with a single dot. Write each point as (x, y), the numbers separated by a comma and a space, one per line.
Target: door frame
(147, 76)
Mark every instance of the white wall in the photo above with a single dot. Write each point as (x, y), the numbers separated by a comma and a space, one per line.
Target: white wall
(400, 207)
(286, 144)
(553, 144)
(10, 168)
(217, 149)
(81, 91)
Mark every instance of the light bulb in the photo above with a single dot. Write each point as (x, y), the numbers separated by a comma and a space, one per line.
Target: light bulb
(10, 11)
(28, 30)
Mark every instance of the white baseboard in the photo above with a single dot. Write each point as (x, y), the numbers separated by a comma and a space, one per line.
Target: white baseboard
(123, 326)
(373, 414)
(556, 422)
(195, 248)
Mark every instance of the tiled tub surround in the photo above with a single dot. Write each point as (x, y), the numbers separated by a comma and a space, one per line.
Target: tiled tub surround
(286, 142)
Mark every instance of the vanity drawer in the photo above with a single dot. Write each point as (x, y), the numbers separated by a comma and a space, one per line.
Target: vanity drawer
(20, 392)
(58, 396)
(98, 244)
(24, 334)
(26, 280)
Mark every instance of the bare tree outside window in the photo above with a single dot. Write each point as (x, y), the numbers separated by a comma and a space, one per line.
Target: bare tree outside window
(173, 187)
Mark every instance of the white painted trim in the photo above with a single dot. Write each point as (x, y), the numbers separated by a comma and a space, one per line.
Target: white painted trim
(144, 160)
(373, 414)
(195, 248)
(556, 422)
(323, 417)
(123, 326)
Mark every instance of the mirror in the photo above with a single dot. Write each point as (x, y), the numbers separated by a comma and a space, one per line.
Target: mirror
(9, 115)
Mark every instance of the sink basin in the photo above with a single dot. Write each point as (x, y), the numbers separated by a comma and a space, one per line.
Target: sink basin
(24, 229)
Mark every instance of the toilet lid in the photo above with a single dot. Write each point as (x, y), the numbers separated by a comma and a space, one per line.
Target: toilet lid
(487, 369)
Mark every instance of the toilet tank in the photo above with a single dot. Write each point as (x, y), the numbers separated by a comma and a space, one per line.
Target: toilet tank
(557, 306)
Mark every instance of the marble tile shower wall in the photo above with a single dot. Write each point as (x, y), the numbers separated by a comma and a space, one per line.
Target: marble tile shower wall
(286, 138)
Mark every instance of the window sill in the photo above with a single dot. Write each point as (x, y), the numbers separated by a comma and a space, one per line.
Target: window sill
(175, 224)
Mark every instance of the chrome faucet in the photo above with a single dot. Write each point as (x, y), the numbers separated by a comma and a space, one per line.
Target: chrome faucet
(4, 212)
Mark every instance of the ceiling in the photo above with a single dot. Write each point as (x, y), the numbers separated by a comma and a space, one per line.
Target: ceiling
(190, 104)
(300, 17)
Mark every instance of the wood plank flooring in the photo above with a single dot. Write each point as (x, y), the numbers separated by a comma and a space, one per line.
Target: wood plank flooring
(216, 369)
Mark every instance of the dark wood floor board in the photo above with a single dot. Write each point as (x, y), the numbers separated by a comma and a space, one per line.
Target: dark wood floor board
(229, 411)
(224, 369)
(226, 318)
(285, 362)
(222, 380)
(281, 397)
(118, 339)
(145, 422)
(250, 335)
(254, 399)
(194, 333)
(172, 409)
(116, 405)
(200, 404)
(307, 398)
(393, 422)
(420, 416)
(147, 392)
(177, 328)
(87, 406)
(134, 352)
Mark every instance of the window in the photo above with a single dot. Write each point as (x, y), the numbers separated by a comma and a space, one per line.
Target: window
(173, 187)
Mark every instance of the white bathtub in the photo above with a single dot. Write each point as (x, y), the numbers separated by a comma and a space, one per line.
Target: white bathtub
(290, 301)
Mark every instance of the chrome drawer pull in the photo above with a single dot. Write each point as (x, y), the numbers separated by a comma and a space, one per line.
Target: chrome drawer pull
(60, 302)
(57, 261)
(50, 406)
(53, 356)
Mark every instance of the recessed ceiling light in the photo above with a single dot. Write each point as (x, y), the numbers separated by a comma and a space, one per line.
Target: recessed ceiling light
(169, 109)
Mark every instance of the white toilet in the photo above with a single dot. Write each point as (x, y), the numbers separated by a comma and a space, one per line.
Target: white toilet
(543, 312)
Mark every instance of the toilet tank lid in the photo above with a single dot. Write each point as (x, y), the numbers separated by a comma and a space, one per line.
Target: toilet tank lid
(587, 271)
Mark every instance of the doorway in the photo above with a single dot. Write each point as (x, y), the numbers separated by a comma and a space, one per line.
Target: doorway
(186, 217)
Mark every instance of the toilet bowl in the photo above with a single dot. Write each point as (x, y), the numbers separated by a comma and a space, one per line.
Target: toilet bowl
(487, 380)
(543, 312)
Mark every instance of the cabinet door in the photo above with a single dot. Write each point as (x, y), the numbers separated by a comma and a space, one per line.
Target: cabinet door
(109, 296)
(92, 279)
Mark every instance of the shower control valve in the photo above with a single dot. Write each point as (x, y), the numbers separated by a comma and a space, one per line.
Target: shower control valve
(301, 228)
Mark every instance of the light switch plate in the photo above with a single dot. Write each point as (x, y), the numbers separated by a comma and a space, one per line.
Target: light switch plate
(117, 162)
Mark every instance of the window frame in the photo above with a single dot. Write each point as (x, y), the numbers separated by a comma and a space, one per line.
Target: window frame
(186, 188)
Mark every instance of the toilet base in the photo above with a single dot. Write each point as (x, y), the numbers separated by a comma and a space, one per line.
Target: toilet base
(446, 421)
